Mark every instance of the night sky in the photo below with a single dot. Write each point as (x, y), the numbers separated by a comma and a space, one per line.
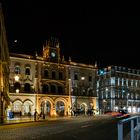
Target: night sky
(110, 36)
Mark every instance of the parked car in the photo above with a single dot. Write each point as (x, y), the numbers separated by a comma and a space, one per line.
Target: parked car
(118, 114)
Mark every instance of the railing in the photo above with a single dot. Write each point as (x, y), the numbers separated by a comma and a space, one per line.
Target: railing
(134, 128)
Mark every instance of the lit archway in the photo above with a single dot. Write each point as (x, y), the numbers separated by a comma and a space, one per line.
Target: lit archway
(27, 108)
(46, 108)
(17, 106)
(83, 108)
(60, 108)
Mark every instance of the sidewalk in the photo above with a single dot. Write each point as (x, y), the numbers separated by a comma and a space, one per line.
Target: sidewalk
(19, 120)
(31, 119)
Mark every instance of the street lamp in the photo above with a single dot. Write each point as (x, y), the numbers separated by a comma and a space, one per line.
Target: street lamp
(104, 105)
(70, 100)
(83, 78)
(16, 78)
(17, 90)
(106, 89)
(127, 100)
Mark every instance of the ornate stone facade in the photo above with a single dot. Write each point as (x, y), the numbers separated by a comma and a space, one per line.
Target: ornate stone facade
(51, 85)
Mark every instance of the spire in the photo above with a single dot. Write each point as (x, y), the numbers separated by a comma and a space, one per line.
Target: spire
(57, 45)
(69, 59)
(95, 64)
(63, 59)
(43, 48)
(36, 54)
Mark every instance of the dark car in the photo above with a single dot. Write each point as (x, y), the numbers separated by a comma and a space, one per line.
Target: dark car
(124, 114)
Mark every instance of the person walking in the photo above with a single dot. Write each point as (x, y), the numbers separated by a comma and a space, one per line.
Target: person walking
(35, 115)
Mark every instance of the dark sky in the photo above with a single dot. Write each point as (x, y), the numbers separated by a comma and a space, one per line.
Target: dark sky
(110, 36)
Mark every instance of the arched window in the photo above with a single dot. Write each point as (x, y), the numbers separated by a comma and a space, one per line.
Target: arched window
(53, 89)
(17, 86)
(45, 89)
(60, 75)
(53, 75)
(27, 71)
(46, 74)
(17, 69)
(27, 87)
(60, 90)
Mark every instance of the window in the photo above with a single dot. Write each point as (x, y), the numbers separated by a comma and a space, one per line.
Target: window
(46, 74)
(45, 89)
(17, 69)
(53, 75)
(60, 90)
(53, 89)
(27, 71)
(60, 76)
(90, 78)
(17, 86)
(75, 77)
(27, 87)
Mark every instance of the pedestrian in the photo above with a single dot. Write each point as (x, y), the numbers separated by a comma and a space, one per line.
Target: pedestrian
(44, 116)
(41, 114)
(35, 115)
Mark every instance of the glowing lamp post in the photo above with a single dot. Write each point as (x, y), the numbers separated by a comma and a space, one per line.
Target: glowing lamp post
(17, 90)
(82, 78)
(70, 100)
(16, 78)
(104, 105)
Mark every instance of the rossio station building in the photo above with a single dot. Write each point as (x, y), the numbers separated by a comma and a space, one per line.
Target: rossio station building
(50, 84)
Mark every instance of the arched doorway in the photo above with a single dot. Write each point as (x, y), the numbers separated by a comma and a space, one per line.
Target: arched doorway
(46, 108)
(60, 108)
(27, 108)
(17, 108)
(83, 108)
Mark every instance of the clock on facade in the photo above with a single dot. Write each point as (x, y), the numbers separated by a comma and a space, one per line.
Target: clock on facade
(53, 54)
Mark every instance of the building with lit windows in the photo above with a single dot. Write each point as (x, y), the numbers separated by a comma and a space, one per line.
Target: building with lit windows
(118, 88)
(50, 84)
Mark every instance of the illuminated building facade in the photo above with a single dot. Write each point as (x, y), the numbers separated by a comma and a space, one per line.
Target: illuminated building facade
(118, 88)
(4, 69)
(50, 84)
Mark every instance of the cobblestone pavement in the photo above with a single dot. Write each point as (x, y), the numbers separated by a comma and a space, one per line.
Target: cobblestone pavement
(49, 129)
